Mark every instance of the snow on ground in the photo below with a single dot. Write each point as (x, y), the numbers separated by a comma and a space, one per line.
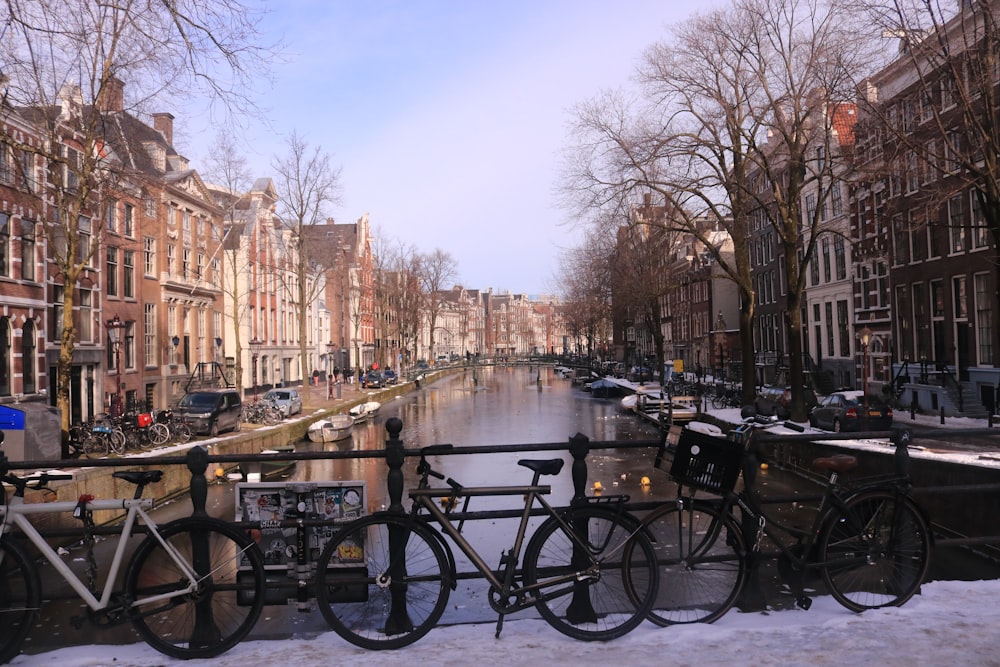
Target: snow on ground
(953, 623)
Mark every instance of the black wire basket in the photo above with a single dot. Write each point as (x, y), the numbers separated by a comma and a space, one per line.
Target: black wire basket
(706, 462)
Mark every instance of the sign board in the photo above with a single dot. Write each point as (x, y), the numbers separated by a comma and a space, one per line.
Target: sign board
(272, 502)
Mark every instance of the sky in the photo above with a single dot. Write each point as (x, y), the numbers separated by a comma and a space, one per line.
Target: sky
(948, 623)
(448, 119)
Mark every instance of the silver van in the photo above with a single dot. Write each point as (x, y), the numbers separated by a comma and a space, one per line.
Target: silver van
(212, 411)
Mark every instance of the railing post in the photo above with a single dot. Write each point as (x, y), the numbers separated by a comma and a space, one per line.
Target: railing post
(394, 457)
(579, 447)
(197, 463)
(398, 620)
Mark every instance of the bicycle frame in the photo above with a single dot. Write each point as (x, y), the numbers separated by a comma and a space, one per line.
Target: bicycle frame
(17, 512)
(423, 498)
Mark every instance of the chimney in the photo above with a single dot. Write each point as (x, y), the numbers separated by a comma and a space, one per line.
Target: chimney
(163, 122)
(111, 98)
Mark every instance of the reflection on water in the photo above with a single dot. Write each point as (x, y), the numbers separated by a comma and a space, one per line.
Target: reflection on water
(505, 405)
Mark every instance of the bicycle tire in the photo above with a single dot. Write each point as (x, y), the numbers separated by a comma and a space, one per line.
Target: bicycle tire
(180, 432)
(159, 434)
(875, 551)
(700, 554)
(356, 577)
(117, 441)
(602, 607)
(226, 605)
(20, 598)
(93, 445)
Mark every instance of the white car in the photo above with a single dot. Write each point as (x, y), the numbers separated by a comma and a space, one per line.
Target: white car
(287, 400)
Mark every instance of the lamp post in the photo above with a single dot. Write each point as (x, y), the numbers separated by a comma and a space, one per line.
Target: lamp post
(255, 344)
(866, 337)
(115, 327)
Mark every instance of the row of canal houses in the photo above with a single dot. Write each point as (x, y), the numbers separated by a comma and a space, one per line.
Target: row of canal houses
(197, 280)
(898, 264)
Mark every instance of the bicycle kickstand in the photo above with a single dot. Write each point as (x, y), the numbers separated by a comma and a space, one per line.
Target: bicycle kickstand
(499, 626)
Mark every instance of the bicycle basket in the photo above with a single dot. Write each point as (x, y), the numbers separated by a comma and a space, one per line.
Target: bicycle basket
(706, 462)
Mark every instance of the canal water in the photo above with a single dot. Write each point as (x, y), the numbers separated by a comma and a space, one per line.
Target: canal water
(502, 405)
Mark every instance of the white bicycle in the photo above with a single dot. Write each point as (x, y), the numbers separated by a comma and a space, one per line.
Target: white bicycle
(193, 588)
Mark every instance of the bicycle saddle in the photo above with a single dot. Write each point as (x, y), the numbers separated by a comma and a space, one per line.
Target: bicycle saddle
(836, 463)
(142, 477)
(543, 466)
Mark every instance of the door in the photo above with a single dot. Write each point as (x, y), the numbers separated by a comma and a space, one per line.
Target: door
(964, 353)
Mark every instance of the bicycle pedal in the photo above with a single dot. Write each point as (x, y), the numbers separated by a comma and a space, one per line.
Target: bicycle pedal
(803, 603)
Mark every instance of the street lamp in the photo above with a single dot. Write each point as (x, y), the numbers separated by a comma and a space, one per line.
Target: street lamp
(115, 327)
(866, 337)
(255, 344)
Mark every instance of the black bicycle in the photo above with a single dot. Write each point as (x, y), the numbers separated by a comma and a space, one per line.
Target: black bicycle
(868, 541)
(383, 581)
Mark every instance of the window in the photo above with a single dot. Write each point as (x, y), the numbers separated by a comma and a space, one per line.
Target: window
(186, 217)
(836, 199)
(112, 278)
(109, 216)
(58, 299)
(28, 359)
(5, 357)
(4, 244)
(810, 208)
(900, 241)
(86, 327)
(200, 271)
(28, 259)
(828, 312)
(840, 257)
(84, 238)
(171, 258)
(185, 262)
(128, 221)
(958, 294)
(980, 232)
(912, 172)
(149, 256)
(149, 334)
(984, 317)
(129, 349)
(128, 277)
(825, 249)
(843, 326)
(956, 227)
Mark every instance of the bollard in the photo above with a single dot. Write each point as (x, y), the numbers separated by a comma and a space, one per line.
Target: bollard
(399, 620)
(394, 457)
(942, 415)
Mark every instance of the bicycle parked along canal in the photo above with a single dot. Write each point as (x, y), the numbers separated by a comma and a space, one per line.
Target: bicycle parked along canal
(181, 589)
(868, 540)
(383, 581)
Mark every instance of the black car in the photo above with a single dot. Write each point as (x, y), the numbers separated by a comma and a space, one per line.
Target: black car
(211, 411)
(844, 411)
(373, 380)
(390, 376)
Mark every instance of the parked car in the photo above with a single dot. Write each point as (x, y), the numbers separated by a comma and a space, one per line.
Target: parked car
(373, 380)
(211, 411)
(777, 401)
(844, 411)
(390, 376)
(287, 400)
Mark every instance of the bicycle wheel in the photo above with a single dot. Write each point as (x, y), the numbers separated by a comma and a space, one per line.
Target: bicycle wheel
(180, 431)
(699, 551)
(373, 599)
(592, 604)
(20, 598)
(117, 441)
(94, 445)
(158, 433)
(875, 552)
(223, 609)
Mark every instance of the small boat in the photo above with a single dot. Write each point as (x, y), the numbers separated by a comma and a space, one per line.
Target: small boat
(257, 471)
(336, 427)
(364, 411)
(604, 388)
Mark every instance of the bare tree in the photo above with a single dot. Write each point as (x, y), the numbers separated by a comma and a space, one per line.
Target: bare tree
(736, 110)
(307, 183)
(437, 269)
(64, 67)
(400, 289)
(229, 171)
(586, 278)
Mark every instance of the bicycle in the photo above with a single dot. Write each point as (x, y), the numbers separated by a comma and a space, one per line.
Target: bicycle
(383, 581)
(869, 541)
(184, 590)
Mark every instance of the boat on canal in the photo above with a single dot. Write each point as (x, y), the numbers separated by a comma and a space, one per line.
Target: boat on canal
(364, 411)
(331, 429)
